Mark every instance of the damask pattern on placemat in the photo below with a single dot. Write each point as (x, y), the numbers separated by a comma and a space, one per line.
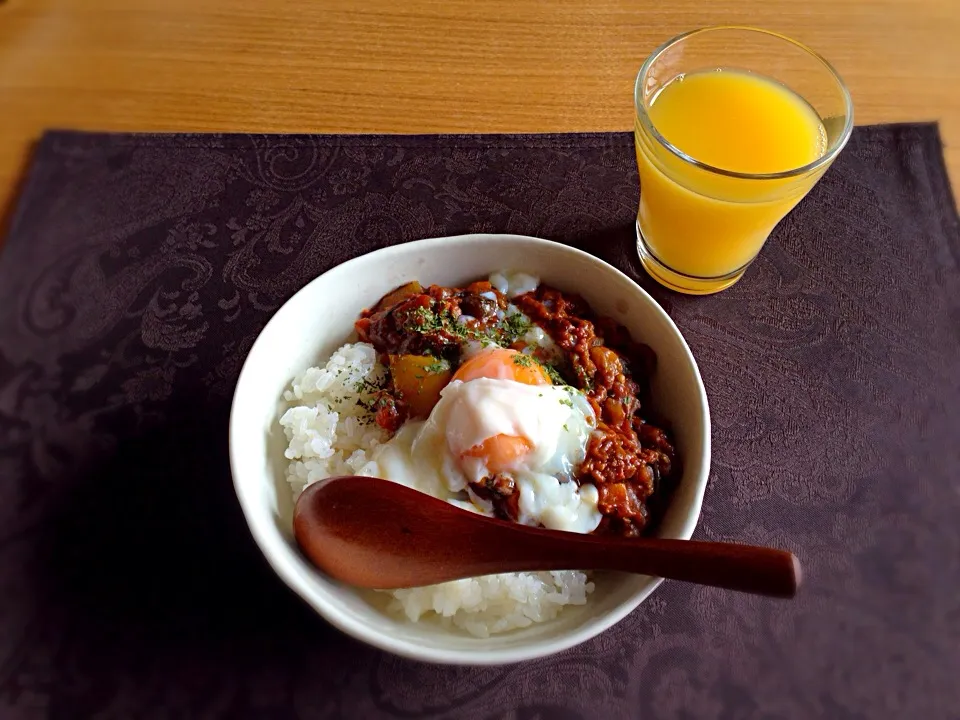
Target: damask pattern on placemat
(140, 268)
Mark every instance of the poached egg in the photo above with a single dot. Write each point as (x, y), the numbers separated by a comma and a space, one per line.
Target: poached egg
(500, 414)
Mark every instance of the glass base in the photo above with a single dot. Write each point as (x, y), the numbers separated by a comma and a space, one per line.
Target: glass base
(688, 284)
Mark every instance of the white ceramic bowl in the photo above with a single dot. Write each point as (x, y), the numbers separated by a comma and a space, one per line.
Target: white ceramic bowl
(319, 318)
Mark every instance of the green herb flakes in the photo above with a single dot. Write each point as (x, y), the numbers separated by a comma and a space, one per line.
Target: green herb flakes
(523, 360)
(516, 325)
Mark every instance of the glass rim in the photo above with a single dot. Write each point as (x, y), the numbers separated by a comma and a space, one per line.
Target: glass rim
(828, 156)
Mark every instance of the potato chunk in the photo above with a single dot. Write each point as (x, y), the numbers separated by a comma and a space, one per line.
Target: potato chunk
(419, 379)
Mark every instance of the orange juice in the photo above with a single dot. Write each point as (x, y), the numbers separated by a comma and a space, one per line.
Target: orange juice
(703, 225)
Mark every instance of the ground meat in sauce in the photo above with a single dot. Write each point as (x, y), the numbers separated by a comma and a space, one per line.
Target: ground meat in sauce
(627, 459)
(632, 462)
(429, 322)
(501, 492)
(389, 411)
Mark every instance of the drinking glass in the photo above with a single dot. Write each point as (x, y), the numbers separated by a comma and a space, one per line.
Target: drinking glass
(699, 227)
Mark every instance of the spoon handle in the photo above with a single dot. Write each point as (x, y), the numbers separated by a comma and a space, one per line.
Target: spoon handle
(757, 570)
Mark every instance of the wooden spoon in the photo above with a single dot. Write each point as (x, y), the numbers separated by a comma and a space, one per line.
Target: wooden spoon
(375, 533)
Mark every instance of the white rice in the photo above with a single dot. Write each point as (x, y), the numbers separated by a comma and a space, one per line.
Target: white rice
(329, 432)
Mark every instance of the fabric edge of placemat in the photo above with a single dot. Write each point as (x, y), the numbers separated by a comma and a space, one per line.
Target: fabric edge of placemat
(945, 200)
(17, 203)
(574, 139)
(611, 138)
(932, 145)
(22, 188)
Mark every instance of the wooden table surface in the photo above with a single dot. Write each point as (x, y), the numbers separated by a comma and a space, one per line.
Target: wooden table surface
(423, 65)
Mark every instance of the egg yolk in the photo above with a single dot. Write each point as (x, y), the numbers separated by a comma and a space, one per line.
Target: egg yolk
(503, 364)
(501, 452)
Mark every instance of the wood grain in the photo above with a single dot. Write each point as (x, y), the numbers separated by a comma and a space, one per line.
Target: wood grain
(422, 65)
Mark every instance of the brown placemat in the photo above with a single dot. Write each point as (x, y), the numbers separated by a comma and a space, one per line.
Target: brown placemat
(140, 268)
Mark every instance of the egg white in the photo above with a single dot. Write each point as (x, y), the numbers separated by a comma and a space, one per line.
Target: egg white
(558, 422)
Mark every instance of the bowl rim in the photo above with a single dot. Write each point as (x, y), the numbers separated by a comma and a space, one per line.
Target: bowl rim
(287, 572)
